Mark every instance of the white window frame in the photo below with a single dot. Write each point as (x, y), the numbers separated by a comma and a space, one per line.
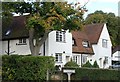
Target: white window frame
(22, 41)
(60, 36)
(75, 59)
(58, 57)
(85, 43)
(104, 43)
(84, 59)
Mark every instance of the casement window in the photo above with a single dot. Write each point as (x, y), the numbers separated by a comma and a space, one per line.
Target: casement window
(104, 43)
(60, 36)
(85, 43)
(84, 59)
(75, 59)
(22, 41)
(58, 57)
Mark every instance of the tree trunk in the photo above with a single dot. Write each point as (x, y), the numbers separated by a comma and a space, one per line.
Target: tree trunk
(35, 43)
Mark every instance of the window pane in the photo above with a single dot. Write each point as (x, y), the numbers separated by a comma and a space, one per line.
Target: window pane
(85, 43)
(84, 59)
(20, 40)
(24, 40)
(60, 36)
(58, 57)
(104, 43)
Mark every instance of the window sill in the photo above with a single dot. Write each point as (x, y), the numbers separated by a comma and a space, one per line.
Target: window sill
(21, 44)
(61, 41)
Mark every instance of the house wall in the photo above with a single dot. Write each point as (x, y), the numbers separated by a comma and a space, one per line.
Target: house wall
(51, 47)
(0, 47)
(15, 48)
(60, 47)
(101, 52)
(116, 56)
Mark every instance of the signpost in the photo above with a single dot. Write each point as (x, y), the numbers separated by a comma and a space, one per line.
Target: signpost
(69, 72)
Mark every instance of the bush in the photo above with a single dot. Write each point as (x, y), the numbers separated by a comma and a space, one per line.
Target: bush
(19, 67)
(87, 64)
(71, 64)
(95, 65)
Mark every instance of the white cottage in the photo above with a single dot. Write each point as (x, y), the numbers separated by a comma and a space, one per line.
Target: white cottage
(93, 43)
(116, 54)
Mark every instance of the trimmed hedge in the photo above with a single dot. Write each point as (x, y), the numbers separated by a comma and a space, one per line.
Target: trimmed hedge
(94, 74)
(19, 67)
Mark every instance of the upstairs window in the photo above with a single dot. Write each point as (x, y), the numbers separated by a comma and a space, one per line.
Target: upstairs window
(73, 42)
(58, 57)
(60, 36)
(104, 43)
(22, 41)
(85, 44)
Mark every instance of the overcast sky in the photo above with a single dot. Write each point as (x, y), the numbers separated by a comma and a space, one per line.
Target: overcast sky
(104, 5)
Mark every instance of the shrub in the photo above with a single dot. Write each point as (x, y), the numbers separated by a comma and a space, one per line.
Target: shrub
(87, 64)
(16, 67)
(71, 64)
(95, 65)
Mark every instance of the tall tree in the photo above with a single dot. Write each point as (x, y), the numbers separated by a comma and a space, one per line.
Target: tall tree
(47, 16)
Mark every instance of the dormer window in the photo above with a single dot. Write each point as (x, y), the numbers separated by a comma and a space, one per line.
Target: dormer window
(60, 36)
(85, 43)
(73, 42)
(8, 32)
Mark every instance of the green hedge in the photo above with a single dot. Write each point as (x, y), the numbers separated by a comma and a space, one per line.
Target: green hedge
(18, 67)
(94, 74)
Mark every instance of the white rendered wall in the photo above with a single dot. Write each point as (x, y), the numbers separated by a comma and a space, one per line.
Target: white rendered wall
(17, 49)
(60, 47)
(116, 56)
(0, 47)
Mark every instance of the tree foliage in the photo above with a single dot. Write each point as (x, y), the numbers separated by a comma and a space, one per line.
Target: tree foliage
(95, 65)
(44, 17)
(112, 23)
(87, 64)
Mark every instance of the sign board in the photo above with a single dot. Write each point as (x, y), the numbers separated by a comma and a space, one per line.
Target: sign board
(68, 71)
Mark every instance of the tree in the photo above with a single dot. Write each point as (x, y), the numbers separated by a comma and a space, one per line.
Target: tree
(112, 24)
(71, 64)
(95, 65)
(87, 64)
(45, 17)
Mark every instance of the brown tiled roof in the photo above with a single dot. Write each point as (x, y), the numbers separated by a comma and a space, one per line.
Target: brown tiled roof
(79, 37)
(93, 32)
(17, 29)
(90, 33)
(116, 48)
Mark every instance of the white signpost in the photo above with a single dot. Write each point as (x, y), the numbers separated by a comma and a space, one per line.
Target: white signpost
(69, 72)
